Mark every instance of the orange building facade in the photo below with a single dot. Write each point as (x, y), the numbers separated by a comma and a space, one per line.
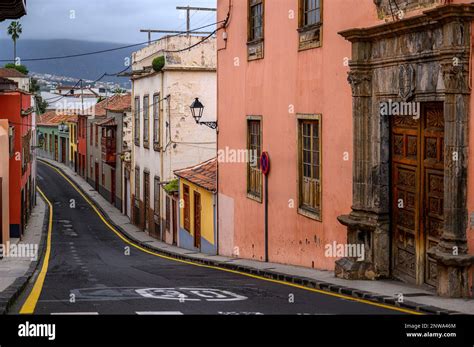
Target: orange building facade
(15, 106)
(351, 188)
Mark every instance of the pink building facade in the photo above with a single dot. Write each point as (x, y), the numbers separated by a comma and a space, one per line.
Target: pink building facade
(351, 189)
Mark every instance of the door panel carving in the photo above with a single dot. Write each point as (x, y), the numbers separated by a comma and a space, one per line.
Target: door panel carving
(417, 193)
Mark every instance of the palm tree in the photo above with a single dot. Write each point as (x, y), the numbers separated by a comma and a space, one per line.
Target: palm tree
(14, 30)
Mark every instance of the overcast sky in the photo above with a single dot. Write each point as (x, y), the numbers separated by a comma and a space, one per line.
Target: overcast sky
(107, 20)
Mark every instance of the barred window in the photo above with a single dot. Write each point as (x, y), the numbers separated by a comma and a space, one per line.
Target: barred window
(254, 172)
(137, 121)
(146, 121)
(137, 183)
(310, 166)
(156, 119)
(310, 12)
(255, 20)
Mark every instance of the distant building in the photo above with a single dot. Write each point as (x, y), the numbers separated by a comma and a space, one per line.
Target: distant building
(54, 129)
(23, 80)
(64, 104)
(198, 211)
(105, 131)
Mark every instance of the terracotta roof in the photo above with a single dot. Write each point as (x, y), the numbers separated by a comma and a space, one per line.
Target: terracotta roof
(109, 122)
(51, 118)
(114, 103)
(12, 73)
(12, 9)
(122, 103)
(203, 175)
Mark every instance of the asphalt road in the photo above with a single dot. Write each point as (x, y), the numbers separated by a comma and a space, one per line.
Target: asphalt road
(92, 271)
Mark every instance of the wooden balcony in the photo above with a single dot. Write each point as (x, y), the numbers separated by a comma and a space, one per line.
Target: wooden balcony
(109, 150)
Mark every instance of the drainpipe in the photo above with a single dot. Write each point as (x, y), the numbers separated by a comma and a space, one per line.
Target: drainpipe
(161, 102)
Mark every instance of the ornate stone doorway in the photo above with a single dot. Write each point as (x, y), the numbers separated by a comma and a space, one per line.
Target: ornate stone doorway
(421, 59)
(417, 193)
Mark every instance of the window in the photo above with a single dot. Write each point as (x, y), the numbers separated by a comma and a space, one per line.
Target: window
(254, 146)
(255, 29)
(156, 195)
(137, 183)
(187, 208)
(156, 121)
(311, 12)
(168, 213)
(91, 134)
(146, 121)
(310, 167)
(255, 20)
(50, 143)
(96, 127)
(310, 24)
(137, 121)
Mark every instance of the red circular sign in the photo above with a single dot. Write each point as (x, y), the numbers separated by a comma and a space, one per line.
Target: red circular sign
(265, 163)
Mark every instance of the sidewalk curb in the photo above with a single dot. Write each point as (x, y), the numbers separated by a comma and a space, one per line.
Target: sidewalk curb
(12, 292)
(298, 280)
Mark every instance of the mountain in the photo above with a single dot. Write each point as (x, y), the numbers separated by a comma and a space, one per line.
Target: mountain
(88, 67)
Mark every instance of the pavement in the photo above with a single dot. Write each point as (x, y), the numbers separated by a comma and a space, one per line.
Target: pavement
(174, 274)
(15, 272)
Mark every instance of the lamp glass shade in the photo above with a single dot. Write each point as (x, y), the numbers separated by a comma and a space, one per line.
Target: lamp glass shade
(197, 109)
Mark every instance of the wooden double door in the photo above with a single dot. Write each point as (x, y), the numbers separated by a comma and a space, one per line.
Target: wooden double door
(417, 187)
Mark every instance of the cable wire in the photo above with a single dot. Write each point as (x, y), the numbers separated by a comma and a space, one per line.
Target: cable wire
(104, 50)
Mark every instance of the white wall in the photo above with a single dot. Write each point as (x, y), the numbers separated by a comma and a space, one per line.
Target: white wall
(186, 75)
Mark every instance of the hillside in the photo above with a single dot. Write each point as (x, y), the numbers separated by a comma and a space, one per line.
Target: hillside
(88, 67)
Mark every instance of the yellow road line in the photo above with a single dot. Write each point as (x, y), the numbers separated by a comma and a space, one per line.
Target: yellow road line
(30, 303)
(119, 234)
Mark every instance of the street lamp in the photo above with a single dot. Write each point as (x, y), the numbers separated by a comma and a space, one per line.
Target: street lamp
(197, 109)
(63, 127)
(40, 139)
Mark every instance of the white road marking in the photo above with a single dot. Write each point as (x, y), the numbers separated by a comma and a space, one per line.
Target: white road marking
(76, 314)
(160, 313)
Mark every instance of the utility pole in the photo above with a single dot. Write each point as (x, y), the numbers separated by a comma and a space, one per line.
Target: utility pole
(82, 97)
(188, 10)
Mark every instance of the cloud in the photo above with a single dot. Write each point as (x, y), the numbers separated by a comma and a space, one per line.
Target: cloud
(106, 20)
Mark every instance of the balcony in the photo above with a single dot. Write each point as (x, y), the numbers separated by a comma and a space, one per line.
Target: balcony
(109, 150)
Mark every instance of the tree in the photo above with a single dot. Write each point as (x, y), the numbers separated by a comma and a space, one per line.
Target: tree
(14, 30)
(42, 104)
(21, 68)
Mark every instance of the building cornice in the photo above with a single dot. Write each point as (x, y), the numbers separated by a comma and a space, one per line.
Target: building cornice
(428, 20)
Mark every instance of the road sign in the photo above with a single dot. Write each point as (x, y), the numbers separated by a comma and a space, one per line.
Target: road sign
(265, 163)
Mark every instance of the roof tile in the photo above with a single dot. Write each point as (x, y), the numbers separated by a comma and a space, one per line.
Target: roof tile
(203, 175)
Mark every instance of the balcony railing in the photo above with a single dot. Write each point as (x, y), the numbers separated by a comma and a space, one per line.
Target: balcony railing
(109, 150)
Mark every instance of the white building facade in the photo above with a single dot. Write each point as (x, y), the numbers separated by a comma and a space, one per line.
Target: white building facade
(165, 135)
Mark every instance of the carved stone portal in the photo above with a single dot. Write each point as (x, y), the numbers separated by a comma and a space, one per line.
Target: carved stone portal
(435, 50)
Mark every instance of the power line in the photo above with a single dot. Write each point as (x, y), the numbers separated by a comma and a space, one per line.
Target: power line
(104, 50)
(192, 46)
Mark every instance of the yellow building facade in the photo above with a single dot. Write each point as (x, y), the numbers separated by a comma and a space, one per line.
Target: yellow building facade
(197, 207)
